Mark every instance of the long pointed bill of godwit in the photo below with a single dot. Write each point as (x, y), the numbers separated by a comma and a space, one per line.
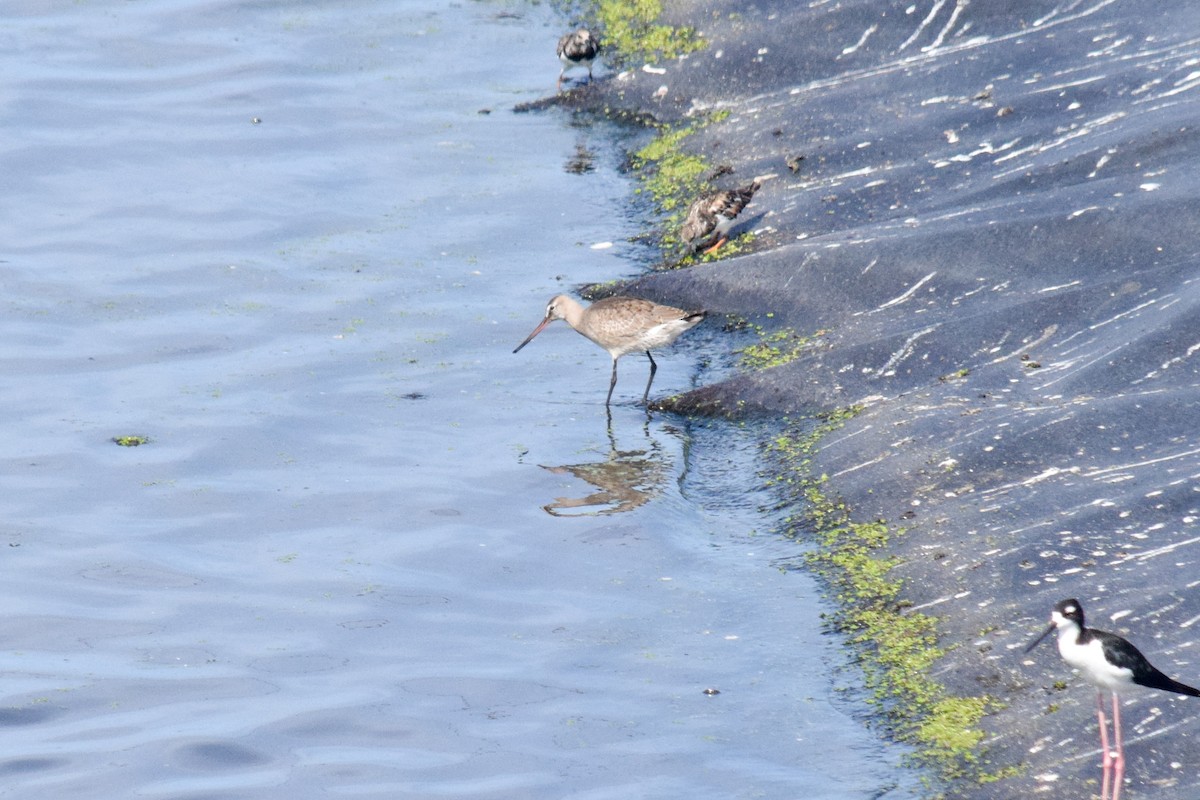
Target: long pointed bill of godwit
(536, 331)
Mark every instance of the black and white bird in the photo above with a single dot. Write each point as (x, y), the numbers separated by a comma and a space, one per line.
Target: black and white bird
(577, 49)
(711, 216)
(1110, 663)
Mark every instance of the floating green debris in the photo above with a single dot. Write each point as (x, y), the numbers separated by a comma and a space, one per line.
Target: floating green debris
(131, 441)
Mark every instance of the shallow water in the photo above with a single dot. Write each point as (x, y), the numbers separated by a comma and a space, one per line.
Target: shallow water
(294, 244)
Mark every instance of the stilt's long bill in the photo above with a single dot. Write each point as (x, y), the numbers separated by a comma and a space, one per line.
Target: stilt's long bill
(1110, 663)
(621, 325)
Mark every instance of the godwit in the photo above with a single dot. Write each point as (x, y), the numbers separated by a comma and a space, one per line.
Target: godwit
(621, 325)
(1107, 662)
(712, 215)
(578, 49)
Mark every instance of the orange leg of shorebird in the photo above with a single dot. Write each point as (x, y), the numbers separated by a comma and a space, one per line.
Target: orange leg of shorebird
(720, 242)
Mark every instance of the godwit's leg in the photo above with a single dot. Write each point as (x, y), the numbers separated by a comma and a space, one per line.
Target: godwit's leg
(1107, 760)
(1119, 758)
(720, 242)
(560, 77)
(653, 369)
(612, 383)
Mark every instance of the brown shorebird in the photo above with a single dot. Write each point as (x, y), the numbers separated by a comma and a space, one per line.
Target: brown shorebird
(712, 215)
(621, 325)
(578, 49)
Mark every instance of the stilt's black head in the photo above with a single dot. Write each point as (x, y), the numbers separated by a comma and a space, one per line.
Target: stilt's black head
(1064, 611)
(1070, 609)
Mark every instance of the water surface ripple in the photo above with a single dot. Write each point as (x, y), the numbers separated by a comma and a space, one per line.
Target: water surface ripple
(294, 245)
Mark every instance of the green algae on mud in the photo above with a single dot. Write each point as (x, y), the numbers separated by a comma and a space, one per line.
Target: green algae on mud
(896, 646)
(631, 31)
(776, 348)
(673, 177)
(670, 174)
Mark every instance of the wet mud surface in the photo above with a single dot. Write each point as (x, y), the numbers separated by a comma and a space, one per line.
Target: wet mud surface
(989, 216)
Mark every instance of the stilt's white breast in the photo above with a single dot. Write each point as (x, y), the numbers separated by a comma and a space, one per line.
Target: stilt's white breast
(1090, 661)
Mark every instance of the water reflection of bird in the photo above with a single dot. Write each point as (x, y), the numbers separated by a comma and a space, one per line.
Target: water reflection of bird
(1111, 663)
(625, 480)
(582, 162)
(621, 325)
(628, 479)
(711, 216)
(577, 49)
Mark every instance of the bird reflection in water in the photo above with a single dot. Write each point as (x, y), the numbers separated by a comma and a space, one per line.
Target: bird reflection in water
(624, 480)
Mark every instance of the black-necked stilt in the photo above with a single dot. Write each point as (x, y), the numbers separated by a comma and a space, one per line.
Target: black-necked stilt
(621, 325)
(1110, 662)
(577, 49)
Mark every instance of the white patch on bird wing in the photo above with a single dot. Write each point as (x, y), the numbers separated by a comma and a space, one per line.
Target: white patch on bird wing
(1090, 661)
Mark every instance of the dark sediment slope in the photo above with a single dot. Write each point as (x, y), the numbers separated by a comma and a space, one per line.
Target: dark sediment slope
(995, 222)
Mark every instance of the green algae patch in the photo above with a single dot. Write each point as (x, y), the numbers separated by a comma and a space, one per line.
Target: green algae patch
(632, 32)
(775, 349)
(670, 175)
(956, 375)
(673, 177)
(131, 441)
(950, 727)
(602, 289)
(897, 648)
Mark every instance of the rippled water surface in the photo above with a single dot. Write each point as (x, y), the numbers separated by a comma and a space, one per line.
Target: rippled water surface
(367, 551)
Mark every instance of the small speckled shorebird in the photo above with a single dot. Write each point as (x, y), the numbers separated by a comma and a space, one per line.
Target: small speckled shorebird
(577, 49)
(1111, 663)
(711, 216)
(621, 325)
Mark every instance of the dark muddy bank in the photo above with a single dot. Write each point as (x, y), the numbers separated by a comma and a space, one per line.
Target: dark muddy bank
(993, 225)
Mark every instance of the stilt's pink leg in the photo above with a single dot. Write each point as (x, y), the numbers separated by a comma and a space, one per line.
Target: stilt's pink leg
(1119, 759)
(1107, 761)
